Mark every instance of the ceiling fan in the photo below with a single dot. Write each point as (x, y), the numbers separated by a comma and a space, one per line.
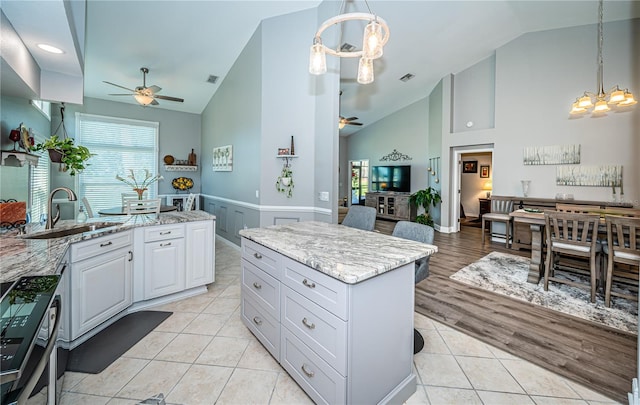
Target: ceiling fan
(342, 122)
(145, 95)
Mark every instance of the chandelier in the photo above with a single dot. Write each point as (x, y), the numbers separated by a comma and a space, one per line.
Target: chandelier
(376, 35)
(601, 102)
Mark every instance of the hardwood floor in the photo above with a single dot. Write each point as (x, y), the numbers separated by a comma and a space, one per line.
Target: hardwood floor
(597, 356)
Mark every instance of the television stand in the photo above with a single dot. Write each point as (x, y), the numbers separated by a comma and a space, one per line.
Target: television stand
(391, 205)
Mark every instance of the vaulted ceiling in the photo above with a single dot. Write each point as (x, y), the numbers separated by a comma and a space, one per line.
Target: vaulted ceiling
(183, 42)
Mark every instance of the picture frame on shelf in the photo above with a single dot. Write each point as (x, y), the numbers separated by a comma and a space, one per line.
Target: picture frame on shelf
(484, 172)
(283, 151)
(470, 166)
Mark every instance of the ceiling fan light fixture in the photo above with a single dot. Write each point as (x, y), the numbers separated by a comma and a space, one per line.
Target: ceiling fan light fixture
(365, 71)
(143, 99)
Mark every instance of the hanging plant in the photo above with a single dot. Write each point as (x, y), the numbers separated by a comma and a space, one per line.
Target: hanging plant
(284, 184)
(64, 151)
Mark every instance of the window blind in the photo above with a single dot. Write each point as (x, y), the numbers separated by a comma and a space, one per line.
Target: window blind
(39, 187)
(119, 145)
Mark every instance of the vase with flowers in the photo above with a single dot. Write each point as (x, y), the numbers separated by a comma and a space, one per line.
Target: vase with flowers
(139, 186)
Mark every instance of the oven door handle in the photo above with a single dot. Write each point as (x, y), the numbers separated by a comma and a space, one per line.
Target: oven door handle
(23, 397)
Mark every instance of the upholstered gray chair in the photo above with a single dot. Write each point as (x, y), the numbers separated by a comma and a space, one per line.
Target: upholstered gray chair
(500, 210)
(360, 217)
(420, 233)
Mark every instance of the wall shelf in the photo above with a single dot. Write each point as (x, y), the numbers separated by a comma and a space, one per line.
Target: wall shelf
(286, 158)
(180, 168)
(22, 157)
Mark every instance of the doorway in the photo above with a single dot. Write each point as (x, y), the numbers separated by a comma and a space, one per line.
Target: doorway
(359, 170)
(472, 179)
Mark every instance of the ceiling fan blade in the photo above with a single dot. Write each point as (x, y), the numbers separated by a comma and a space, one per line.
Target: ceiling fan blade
(351, 119)
(154, 88)
(179, 100)
(121, 94)
(117, 85)
(154, 102)
(354, 123)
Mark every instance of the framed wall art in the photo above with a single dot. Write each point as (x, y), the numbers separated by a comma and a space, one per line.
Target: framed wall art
(484, 172)
(470, 166)
(223, 159)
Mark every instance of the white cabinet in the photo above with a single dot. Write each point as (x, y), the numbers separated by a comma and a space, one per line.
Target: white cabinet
(200, 247)
(164, 260)
(100, 280)
(342, 343)
(63, 291)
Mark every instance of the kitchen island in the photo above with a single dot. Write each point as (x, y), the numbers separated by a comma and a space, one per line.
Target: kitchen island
(334, 305)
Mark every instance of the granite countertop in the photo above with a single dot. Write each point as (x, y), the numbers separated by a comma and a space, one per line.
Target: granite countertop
(38, 257)
(347, 254)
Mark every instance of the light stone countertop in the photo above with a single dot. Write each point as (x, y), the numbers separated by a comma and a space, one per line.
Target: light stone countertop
(38, 257)
(347, 254)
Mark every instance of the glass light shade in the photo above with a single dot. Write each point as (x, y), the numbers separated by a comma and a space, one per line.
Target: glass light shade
(628, 99)
(616, 97)
(372, 41)
(365, 71)
(341, 124)
(601, 106)
(575, 109)
(142, 99)
(585, 102)
(317, 60)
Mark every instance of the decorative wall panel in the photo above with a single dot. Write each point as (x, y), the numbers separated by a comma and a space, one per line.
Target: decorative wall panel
(595, 176)
(551, 155)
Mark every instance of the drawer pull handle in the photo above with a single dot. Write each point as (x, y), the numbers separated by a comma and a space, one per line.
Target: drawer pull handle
(306, 323)
(165, 233)
(257, 285)
(308, 284)
(165, 244)
(130, 255)
(257, 255)
(106, 244)
(307, 372)
(257, 320)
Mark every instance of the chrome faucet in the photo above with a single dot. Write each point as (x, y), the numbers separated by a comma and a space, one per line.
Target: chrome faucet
(51, 220)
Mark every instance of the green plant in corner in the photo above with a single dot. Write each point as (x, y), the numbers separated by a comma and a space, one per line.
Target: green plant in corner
(73, 157)
(284, 184)
(425, 199)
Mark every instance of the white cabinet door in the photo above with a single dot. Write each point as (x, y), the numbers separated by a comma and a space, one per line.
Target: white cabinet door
(100, 288)
(163, 267)
(63, 290)
(200, 254)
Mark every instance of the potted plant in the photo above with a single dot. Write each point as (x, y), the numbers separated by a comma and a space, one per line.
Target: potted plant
(284, 184)
(425, 198)
(64, 151)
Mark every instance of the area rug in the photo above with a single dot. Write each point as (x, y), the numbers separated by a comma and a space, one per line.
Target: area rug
(506, 274)
(108, 345)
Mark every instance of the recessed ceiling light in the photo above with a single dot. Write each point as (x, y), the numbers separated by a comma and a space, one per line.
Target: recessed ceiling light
(50, 48)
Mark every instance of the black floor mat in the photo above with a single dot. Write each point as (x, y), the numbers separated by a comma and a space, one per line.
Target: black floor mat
(101, 350)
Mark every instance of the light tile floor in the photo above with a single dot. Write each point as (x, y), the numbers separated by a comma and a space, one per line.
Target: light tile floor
(203, 354)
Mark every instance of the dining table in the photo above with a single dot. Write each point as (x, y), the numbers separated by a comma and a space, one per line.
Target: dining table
(535, 219)
(120, 210)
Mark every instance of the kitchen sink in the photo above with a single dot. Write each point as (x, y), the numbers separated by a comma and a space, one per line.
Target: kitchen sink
(52, 234)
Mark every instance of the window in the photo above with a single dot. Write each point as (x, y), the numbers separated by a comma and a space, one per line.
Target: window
(43, 106)
(119, 145)
(39, 187)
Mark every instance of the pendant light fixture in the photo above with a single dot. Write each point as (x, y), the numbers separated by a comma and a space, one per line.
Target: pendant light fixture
(376, 35)
(599, 103)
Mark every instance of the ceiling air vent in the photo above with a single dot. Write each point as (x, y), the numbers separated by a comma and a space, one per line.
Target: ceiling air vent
(347, 47)
(212, 79)
(407, 77)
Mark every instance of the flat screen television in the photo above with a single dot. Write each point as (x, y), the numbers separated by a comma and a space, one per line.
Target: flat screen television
(391, 178)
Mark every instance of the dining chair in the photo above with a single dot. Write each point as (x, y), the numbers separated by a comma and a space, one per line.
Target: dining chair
(361, 217)
(133, 207)
(87, 207)
(622, 212)
(622, 247)
(131, 196)
(500, 209)
(419, 233)
(188, 206)
(573, 235)
(577, 208)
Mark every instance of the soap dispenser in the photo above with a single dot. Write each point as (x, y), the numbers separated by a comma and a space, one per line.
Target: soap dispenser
(82, 216)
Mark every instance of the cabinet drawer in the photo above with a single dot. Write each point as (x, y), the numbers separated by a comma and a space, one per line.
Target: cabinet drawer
(321, 382)
(265, 327)
(262, 287)
(104, 244)
(164, 232)
(262, 257)
(323, 332)
(321, 289)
